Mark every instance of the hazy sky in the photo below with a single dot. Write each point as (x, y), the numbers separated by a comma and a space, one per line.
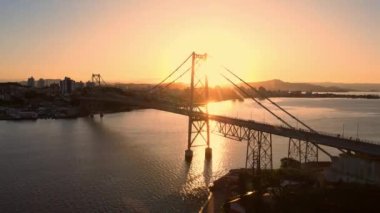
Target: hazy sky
(143, 40)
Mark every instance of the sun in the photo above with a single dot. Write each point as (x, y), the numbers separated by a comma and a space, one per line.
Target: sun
(223, 48)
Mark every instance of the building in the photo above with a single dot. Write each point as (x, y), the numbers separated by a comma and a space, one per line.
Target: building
(350, 168)
(90, 84)
(41, 83)
(31, 82)
(11, 90)
(67, 85)
(79, 85)
(53, 89)
(49, 82)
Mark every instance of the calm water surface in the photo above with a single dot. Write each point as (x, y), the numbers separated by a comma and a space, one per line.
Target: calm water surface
(134, 161)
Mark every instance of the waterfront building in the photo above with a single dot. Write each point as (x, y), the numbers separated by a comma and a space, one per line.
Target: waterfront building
(41, 83)
(90, 84)
(79, 85)
(4, 93)
(54, 89)
(31, 82)
(11, 90)
(49, 82)
(67, 85)
(350, 168)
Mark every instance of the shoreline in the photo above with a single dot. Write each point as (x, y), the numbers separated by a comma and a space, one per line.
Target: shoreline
(205, 206)
(287, 188)
(58, 116)
(221, 190)
(78, 114)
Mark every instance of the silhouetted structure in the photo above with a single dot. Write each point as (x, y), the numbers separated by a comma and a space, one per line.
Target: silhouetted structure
(67, 85)
(31, 82)
(304, 144)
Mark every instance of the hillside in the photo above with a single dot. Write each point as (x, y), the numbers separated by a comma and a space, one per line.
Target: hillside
(287, 86)
(353, 86)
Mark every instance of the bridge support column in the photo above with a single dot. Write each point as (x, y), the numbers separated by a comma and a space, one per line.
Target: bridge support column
(196, 130)
(208, 153)
(188, 155)
(93, 108)
(259, 151)
(302, 151)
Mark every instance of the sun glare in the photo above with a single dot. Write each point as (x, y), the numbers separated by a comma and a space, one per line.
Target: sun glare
(223, 49)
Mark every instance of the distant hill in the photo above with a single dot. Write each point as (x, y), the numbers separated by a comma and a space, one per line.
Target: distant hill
(287, 86)
(276, 84)
(353, 86)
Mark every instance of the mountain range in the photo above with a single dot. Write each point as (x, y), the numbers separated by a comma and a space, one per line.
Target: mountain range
(315, 87)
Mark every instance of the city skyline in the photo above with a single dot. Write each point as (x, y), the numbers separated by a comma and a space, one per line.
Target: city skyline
(131, 41)
(189, 106)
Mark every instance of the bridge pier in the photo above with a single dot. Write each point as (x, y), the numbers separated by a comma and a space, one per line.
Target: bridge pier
(208, 153)
(259, 151)
(188, 154)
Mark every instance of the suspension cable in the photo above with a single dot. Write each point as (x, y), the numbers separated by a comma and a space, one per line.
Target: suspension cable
(104, 82)
(258, 102)
(283, 121)
(172, 73)
(272, 102)
(180, 76)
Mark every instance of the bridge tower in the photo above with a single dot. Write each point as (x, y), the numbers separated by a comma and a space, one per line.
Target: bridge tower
(198, 126)
(96, 79)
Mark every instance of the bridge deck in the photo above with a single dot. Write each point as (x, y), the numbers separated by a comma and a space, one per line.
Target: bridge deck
(359, 146)
(304, 135)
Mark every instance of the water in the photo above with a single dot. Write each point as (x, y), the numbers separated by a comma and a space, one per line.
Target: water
(352, 93)
(134, 161)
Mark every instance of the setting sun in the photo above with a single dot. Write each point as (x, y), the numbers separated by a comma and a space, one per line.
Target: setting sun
(141, 42)
(189, 106)
(223, 48)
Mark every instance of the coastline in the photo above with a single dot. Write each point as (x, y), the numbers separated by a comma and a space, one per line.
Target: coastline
(221, 190)
(71, 112)
(208, 205)
(302, 189)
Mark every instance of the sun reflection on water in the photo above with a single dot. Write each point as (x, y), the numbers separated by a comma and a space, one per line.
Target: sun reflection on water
(220, 108)
(202, 172)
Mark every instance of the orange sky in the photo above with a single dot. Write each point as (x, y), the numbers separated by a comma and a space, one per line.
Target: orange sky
(142, 41)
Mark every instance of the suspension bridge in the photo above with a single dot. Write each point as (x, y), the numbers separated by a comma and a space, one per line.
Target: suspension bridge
(304, 144)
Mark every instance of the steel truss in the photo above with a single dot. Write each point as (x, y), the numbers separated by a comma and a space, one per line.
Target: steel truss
(302, 151)
(259, 144)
